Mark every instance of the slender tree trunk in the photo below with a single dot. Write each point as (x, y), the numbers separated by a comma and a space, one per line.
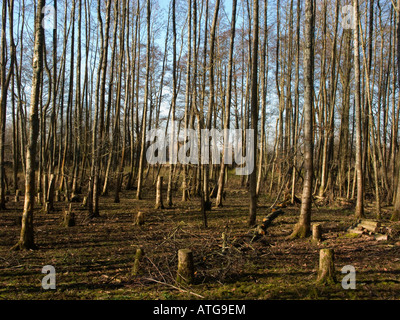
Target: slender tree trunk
(254, 115)
(303, 227)
(26, 240)
(173, 103)
(206, 171)
(78, 110)
(359, 168)
(396, 212)
(146, 98)
(105, 141)
(118, 106)
(264, 84)
(297, 102)
(345, 117)
(221, 179)
(367, 68)
(4, 83)
(98, 135)
(133, 94)
(187, 100)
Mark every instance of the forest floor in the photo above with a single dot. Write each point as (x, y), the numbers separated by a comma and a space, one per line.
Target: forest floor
(93, 260)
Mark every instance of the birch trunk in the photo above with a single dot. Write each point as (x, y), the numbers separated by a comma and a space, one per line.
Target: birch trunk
(26, 240)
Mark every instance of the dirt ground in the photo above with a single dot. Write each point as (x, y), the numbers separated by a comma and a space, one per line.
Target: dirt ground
(93, 260)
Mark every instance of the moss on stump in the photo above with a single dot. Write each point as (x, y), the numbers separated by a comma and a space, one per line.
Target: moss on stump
(326, 273)
(185, 267)
(136, 265)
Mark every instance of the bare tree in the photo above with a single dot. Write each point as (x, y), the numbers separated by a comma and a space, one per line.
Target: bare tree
(211, 106)
(4, 84)
(302, 228)
(357, 105)
(26, 240)
(254, 115)
(396, 213)
(221, 179)
(146, 98)
(173, 104)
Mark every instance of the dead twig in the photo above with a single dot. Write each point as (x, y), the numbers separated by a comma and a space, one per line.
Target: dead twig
(174, 287)
(155, 267)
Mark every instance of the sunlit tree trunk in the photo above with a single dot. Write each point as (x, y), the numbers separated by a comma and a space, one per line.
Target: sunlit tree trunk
(118, 106)
(357, 96)
(221, 179)
(211, 106)
(303, 227)
(264, 84)
(146, 98)
(26, 240)
(173, 103)
(396, 212)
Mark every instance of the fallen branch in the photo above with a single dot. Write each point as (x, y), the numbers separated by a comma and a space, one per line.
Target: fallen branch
(174, 287)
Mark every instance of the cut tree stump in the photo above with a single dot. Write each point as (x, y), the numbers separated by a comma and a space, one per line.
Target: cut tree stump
(185, 267)
(316, 233)
(159, 197)
(136, 265)
(326, 273)
(139, 221)
(69, 217)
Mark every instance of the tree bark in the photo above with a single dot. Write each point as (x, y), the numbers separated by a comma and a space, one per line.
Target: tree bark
(396, 212)
(185, 267)
(211, 105)
(146, 98)
(357, 96)
(26, 240)
(159, 197)
(221, 179)
(4, 83)
(173, 103)
(326, 273)
(302, 228)
(254, 116)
